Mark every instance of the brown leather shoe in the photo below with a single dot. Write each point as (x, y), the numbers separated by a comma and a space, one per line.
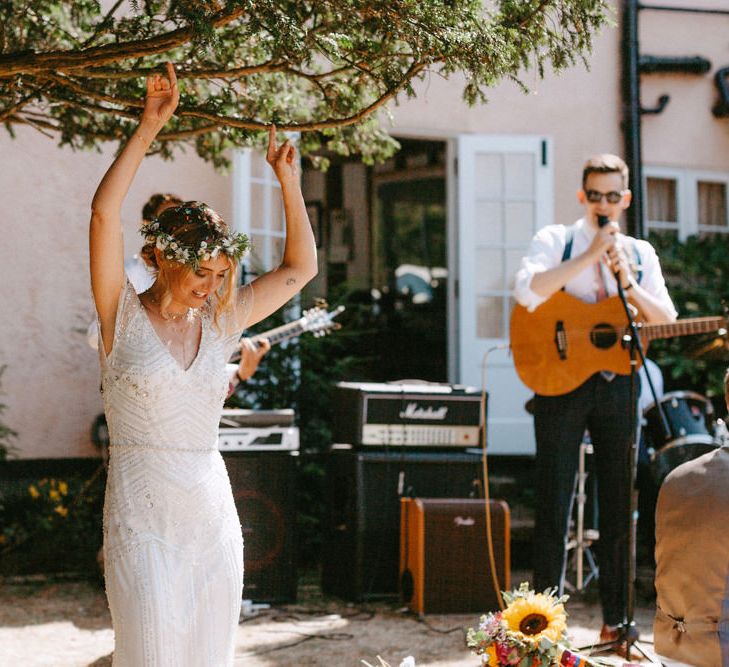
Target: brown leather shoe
(611, 633)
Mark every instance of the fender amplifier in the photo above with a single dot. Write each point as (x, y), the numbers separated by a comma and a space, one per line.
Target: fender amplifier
(444, 556)
(369, 414)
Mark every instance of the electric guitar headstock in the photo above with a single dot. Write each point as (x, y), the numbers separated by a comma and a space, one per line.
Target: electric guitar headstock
(318, 321)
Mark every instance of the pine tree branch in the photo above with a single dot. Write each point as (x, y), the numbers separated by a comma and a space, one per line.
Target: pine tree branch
(12, 64)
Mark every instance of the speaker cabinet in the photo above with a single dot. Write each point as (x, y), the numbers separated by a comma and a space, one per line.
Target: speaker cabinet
(264, 488)
(362, 536)
(444, 557)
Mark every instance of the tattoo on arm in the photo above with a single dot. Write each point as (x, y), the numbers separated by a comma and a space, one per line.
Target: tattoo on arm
(290, 281)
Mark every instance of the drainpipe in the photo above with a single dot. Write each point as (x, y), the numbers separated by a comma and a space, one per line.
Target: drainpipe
(631, 115)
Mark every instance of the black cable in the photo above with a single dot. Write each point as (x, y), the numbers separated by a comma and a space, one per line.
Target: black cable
(430, 626)
(333, 636)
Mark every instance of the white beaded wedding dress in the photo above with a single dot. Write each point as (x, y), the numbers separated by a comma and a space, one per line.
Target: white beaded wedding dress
(173, 549)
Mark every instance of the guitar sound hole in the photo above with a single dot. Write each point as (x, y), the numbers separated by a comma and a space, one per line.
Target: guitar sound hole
(603, 336)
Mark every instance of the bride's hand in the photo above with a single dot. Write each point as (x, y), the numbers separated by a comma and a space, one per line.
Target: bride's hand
(162, 97)
(282, 159)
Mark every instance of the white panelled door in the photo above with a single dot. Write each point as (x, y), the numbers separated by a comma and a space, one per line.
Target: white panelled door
(505, 193)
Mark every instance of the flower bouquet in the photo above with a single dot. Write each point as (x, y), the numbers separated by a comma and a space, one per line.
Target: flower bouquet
(530, 632)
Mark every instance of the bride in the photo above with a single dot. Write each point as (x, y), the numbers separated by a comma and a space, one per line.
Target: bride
(172, 540)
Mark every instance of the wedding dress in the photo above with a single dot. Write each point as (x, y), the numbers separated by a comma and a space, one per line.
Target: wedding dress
(173, 549)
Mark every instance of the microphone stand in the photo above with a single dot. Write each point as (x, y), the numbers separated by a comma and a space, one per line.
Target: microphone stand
(627, 633)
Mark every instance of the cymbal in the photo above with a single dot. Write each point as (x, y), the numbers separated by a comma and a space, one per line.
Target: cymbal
(716, 349)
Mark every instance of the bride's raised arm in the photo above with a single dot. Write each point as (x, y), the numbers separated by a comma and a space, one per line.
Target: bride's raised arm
(106, 252)
(299, 265)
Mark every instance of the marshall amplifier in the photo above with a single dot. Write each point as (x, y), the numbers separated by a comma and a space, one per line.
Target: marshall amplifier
(413, 415)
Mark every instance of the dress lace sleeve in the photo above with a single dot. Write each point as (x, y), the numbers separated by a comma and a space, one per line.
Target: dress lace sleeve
(124, 311)
(238, 316)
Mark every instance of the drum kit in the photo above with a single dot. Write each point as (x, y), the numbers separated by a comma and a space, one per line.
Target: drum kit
(693, 431)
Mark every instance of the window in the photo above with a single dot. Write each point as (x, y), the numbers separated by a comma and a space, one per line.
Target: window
(661, 203)
(712, 205)
(685, 201)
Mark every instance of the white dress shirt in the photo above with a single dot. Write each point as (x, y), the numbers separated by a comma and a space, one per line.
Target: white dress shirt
(545, 252)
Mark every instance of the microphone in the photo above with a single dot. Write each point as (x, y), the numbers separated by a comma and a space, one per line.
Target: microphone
(603, 220)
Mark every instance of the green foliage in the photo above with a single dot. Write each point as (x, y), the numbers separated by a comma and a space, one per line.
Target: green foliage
(321, 67)
(7, 435)
(697, 275)
(51, 524)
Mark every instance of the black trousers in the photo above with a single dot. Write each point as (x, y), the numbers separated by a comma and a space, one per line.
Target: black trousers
(604, 408)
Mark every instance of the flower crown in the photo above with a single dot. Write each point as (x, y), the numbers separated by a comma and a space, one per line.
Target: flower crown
(233, 245)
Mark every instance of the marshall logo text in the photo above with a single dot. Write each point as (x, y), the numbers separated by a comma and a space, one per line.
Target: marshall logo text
(412, 411)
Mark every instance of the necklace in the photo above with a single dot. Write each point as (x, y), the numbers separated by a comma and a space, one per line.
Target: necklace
(189, 315)
(177, 331)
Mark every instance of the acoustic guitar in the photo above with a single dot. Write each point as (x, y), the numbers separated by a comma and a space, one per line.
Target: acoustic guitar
(565, 340)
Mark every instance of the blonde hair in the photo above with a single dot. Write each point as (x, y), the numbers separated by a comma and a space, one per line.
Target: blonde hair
(191, 223)
(605, 163)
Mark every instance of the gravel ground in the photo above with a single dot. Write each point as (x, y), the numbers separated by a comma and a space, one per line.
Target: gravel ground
(47, 623)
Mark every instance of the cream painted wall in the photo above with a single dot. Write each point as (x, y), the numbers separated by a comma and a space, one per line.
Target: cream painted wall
(579, 110)
(51, 384)
(686, 134)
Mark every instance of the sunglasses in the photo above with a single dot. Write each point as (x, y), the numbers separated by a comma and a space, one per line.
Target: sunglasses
(595, 196)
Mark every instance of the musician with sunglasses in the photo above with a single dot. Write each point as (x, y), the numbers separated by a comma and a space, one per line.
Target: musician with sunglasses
(585, 259)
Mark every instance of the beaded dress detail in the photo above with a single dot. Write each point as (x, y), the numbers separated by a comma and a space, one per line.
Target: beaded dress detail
(173, 549)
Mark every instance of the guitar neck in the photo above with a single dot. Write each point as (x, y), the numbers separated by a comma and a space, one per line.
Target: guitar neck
(283, 333)
(694, 325)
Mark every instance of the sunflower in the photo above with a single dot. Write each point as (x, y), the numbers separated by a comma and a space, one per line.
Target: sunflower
(535, 616)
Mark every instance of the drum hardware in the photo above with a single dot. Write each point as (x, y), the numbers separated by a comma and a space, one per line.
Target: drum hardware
(721, 433)
(581, 541)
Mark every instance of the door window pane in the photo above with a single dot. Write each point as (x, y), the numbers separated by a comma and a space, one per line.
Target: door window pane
(489, 223)
(488, 176)
(519, 172)
(489, 270)
(490, 317)
(519, 227)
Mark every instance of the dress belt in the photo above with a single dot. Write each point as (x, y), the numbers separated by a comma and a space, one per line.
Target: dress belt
(164, 448)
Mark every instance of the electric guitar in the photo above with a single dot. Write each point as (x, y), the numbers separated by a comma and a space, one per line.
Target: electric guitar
(565, 340)
(314, 320)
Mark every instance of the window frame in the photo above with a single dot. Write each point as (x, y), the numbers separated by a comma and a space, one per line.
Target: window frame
(687, 200)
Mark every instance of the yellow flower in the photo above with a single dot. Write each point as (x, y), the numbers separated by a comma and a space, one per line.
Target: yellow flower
(536, 616)
(54, 495)
(63, 488)
(492, 660)
(34, 493)
(60, 509)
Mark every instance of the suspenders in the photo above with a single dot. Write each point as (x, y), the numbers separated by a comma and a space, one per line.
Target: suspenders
(570, 237)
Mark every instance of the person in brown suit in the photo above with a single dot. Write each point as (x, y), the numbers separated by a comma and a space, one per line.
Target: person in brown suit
(692, 562)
